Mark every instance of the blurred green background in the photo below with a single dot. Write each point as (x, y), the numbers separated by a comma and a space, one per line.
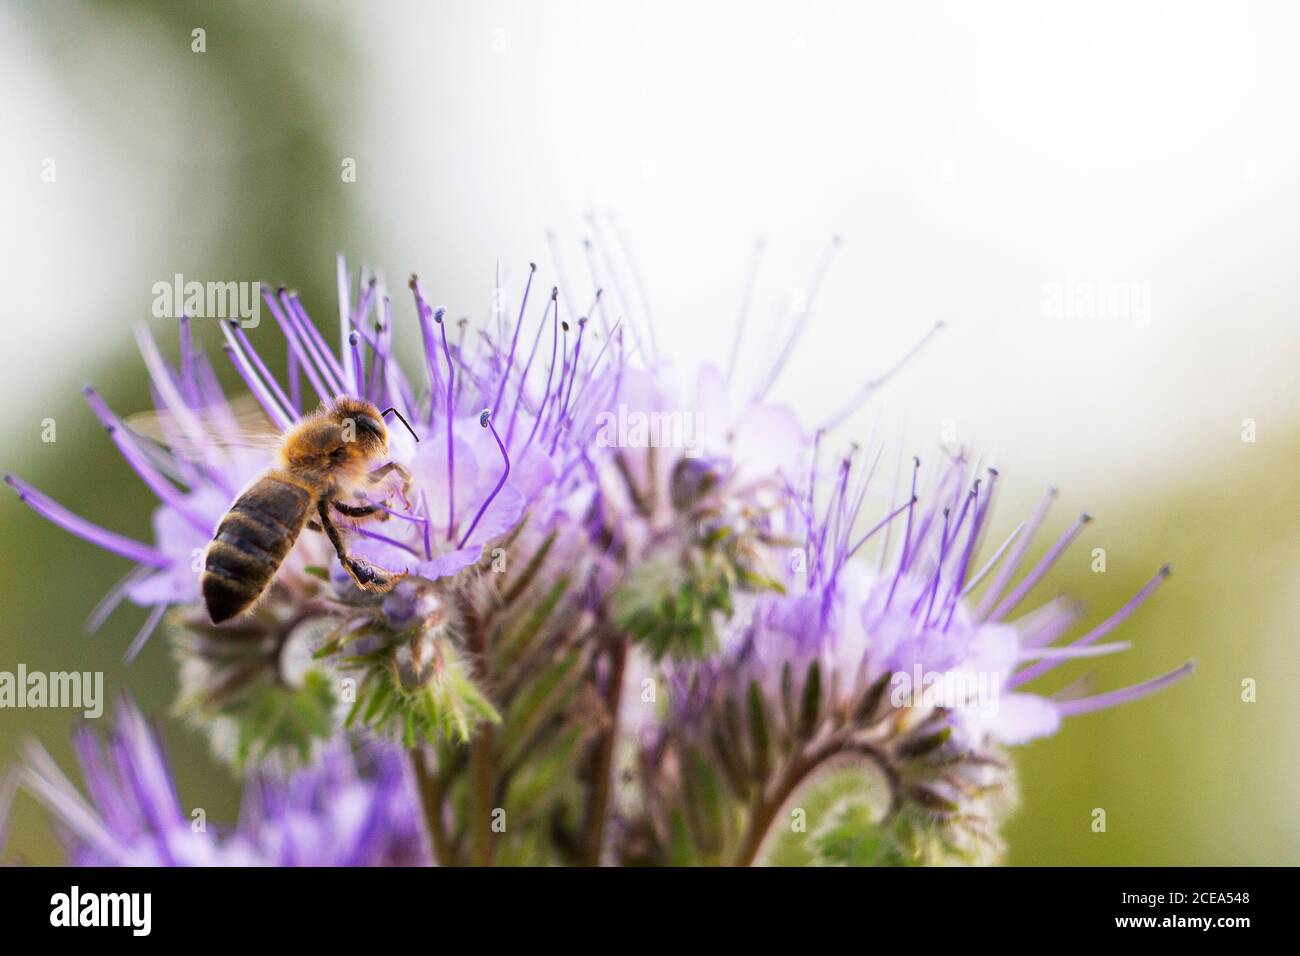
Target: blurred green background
(226, 165)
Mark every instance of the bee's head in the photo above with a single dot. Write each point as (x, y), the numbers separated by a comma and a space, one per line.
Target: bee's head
(361, 428)
(345, 434)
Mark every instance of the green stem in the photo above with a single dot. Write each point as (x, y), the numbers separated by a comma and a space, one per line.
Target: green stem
(482, 775)
(482, 758)
(795, 773)
(430, 789)
(593, 827)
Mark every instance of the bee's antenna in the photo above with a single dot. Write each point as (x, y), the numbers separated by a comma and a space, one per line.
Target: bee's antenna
(393, 411)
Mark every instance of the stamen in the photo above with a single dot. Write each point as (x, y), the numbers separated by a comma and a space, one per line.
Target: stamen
(597, 305)
(375, 381)
(47, 783)
(801, 322)
(625, 248)
(893, 495)
(514, 342)
(1036, 575)
(950, 601)
(143, 465)
(395, 384)
(295, 383)
(358, 319)
(867, 389)
(202, 455)
(1100, 631)
(425, 313)
(599, 247)
(932, 514)
(573, 377)
(428, 524)
(546, 393)
(743, 319)
(836, 536)
(187, 361)
(933, 587)
(592, 270)
(51, 510)
(591, 372)
(832, 507)
(403, 515)
(992, 562)
(211, 397)
(523, 378)
(462, 324)
(162, 381)
(1072, 652)
(451, 448)
(358, 369)
(553, 415)
(1009, 569)
(110, 601)
(884, 521)
(498, 307)
(1046, 624)
(1085, 705)
(907, 538)
(290, 331)
(558, 263)
(315, 342)
(262, 383)
(849, 517)
(978, 529)
(810, 506)
(485, 420)
(264, 398)
(377, 536)
(146, 631)
(345, 316)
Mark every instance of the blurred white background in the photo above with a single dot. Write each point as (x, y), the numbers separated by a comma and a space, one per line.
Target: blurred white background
(975, 158)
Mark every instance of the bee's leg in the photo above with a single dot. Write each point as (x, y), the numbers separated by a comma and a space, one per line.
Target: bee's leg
(376, 511)
(366, 575)
(383, 471)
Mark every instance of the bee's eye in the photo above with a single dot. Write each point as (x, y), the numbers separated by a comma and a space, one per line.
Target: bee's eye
(369, 427)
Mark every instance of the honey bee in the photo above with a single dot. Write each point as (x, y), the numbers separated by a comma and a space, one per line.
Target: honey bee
(325, 458)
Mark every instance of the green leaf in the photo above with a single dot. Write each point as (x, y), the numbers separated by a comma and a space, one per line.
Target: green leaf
(538, 700)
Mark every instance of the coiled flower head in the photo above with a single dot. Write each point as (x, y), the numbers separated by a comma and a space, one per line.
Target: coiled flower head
(884, 697)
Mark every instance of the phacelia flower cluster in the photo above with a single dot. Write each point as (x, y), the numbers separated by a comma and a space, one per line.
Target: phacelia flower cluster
(636, 622)
(352, 809)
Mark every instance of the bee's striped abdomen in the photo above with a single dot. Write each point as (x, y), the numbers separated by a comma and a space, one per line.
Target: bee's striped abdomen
(250, 544)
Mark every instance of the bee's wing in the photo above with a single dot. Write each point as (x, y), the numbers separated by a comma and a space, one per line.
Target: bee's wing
(238, 423)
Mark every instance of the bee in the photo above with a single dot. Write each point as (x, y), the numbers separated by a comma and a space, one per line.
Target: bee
(327, 457)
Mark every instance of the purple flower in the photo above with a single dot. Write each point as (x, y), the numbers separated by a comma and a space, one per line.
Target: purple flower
(917, 615)
(499, 429)
(354, 809)
(577, 523)
(907, 664)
